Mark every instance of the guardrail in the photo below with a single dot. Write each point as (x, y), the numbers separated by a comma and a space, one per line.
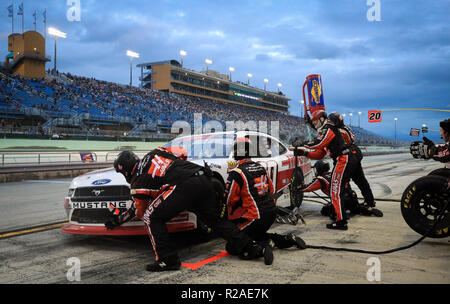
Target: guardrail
(20, 158)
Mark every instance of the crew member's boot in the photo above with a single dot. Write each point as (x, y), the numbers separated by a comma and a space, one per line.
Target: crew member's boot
(171, 262)
(255, 250)
(369, 210)
(339, 225)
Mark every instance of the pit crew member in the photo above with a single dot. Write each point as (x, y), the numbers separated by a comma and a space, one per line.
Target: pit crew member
(162, 185)
(249, 197)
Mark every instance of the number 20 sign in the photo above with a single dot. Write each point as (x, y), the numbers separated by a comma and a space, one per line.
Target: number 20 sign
(374, 116)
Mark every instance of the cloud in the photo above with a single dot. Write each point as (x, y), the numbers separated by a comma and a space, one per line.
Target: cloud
(402, 61)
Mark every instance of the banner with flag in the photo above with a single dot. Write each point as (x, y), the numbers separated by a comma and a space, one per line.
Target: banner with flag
(11, 15)
(20, 12)
(34, 15)
(10, 11)
(414, 132)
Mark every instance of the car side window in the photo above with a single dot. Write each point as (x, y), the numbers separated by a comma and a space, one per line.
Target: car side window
(265, 147)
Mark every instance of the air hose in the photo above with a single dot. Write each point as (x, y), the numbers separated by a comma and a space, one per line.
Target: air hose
(437, 220)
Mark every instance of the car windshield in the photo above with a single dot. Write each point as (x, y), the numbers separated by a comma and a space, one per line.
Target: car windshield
(205, 146)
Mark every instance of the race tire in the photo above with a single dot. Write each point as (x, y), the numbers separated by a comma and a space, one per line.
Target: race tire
(441, 172)
(296, 196)
(423, 201)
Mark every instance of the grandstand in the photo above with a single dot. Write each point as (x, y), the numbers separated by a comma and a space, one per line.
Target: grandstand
(74, 107)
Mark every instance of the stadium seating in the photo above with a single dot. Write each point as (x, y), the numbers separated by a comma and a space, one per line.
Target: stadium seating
(83, 107)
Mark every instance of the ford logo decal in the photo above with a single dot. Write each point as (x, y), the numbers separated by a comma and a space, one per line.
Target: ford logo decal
(101, 182)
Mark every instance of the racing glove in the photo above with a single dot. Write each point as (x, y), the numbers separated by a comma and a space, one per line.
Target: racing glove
(118, 217)
(419, 149)
(300, 152)
(431, 147)
(114, 218)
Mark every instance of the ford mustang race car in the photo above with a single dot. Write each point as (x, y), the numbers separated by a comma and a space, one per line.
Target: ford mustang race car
(90, 194)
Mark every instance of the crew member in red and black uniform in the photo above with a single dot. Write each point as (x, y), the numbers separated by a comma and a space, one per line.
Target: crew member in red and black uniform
(358, 177)
(162, 185)
(249, 196)
(332, 142)
(441, 152)
(322, 182)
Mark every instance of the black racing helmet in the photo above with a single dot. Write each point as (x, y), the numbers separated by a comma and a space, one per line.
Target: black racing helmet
(241, 148)
(337, 119)
(445, 125)
(127, 160)
(321, 167)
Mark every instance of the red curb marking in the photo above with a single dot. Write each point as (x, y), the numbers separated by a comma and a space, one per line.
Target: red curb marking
(195, 266)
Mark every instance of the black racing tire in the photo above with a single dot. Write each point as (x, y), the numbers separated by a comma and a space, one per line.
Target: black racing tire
(422, 202)
(296, 196)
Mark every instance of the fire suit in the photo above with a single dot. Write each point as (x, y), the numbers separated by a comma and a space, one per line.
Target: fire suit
(248, 195)
(164, 185)
(358, 176)
(345, 159)
(322, 182)
(441, 153)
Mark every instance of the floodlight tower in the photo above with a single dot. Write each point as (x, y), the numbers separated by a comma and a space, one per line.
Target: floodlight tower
(231, 69)
(56, 34)
(132, 55)
(182, 54)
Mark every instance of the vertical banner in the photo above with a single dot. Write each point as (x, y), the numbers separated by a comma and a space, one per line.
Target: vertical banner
(314, 87)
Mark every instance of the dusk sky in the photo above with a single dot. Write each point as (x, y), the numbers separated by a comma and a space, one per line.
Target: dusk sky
(399, 62)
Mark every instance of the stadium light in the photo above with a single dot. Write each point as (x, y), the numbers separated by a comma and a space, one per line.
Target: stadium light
(395, 126)
(266, 81)
(56, 34)
(249, 75)
(301, 108)
(132, 55)
(182, 54)
(359, 119)
(279, 86)
(208, 62)
(351, 115)
(231, 69)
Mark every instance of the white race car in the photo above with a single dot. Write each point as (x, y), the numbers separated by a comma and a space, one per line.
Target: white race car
(90, 194)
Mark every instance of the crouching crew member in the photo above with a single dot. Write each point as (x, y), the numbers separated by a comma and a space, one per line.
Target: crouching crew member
(162, 185)
(322, 182)
(249, 197)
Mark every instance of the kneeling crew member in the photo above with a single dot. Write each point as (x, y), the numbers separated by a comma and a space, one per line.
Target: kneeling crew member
(322, 182)
(249, 197)
(162, 185)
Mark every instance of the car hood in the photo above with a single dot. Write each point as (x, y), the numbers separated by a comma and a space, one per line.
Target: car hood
(97, 178)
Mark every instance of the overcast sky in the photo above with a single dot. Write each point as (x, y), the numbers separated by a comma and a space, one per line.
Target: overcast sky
(400, 62)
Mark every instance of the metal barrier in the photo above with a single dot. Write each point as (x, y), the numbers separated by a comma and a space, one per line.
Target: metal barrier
(13, 158)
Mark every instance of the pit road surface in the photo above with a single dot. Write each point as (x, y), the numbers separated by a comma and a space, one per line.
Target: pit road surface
(41, 256)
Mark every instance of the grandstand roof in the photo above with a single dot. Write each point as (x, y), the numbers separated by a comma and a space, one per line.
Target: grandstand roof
(149, 64)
